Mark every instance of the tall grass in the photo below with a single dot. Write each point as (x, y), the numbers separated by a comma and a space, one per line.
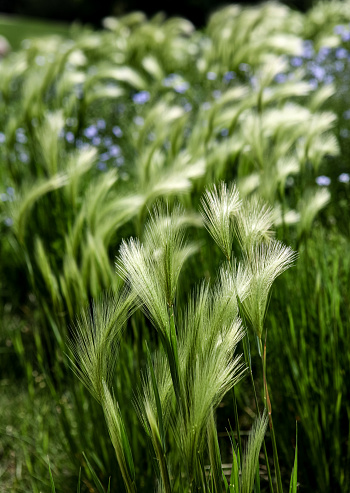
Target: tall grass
(95, 131)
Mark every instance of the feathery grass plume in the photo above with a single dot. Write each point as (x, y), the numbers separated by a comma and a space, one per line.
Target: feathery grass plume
(265, 263)
(153, 405)
(48, 137)
(119, 438)
(137, 269)
(49, 277)
(219, 205)
(164, 241)
(251, 453)
(95, 340)
(253, 223)
(209, 371)
(28, 196)
(216, 472)
(310, 206)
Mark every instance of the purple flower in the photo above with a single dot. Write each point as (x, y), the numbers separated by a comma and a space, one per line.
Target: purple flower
(3, 197)
(10, 191)
(169, 80)
(296, 61)
(211, 76)
(70, 137)
(181, 87)
(120, 161)
(96, 141)
(101, 124)
(341, 53)
(344, 178)
(141, 97)
(117, 131)
(345, 36)
(323, 181)
(188, 107)
(323, 53)
(308, 49)
(339, 29)
(8, 221)
(105, 156)
(90, 132)
(23, 157)
(20, 136)
(229, 76)
(344, 132)
(318, 72)
(346, 115)
(216, 94)
(280, 78)
(2, 138)
(224, 132)
(101, 166)
(339, 66)
(114, 151)
(107, 141)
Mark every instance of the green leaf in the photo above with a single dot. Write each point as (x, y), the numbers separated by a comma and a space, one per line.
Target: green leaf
(294, 477)
(95, 478)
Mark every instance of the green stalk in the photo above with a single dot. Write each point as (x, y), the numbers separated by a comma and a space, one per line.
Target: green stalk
(267, 404)
(247, 354)
(237, 422)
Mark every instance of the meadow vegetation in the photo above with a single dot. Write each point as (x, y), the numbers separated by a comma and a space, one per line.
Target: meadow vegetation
(175, 268)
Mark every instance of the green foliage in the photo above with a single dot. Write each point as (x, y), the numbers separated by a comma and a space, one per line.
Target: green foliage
(101, 135)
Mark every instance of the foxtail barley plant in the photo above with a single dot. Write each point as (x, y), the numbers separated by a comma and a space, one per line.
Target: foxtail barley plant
(197, 362)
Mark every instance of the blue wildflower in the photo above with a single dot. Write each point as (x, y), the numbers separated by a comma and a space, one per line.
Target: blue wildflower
(90, 132)
(114, 151)
(229, 76)
(181, 87)
(341, 53)
(101, 124)
(296, 61)
(70, 137)
(344, 178)
(169, 80)
(141, 97)
(308, 49)
(280, 78)
(96, 141)
(101, 166)
(8, 221)
(323, 181)
(211, 76)
(345, 36)
(117, 131)
(2, 138)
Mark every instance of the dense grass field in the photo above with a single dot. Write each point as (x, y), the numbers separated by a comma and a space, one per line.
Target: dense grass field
(17, 29)
(175, 254)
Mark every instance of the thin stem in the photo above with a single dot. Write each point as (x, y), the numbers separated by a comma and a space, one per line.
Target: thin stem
(257, 408)
(267, 403)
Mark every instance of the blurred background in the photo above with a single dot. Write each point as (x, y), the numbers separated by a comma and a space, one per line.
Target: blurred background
(197, 11)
